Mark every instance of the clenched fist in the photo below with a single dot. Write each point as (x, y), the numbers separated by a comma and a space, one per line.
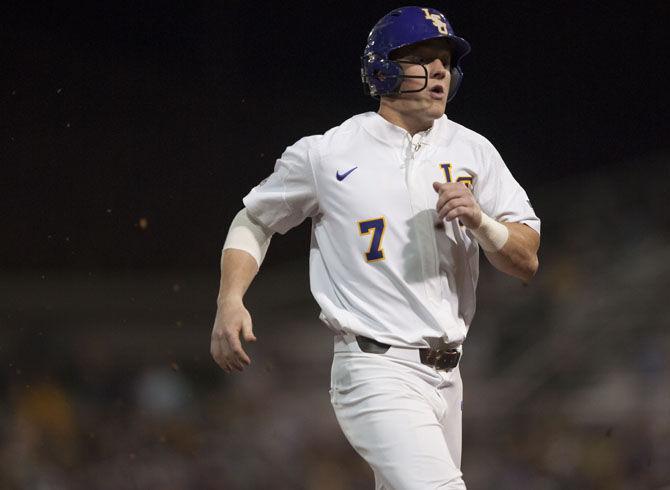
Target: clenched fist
(456, 201)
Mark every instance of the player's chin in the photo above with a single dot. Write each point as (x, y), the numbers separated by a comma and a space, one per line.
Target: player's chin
(435, 108)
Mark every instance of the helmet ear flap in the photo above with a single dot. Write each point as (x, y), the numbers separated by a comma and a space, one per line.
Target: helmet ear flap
(456, 78)
(380, 75)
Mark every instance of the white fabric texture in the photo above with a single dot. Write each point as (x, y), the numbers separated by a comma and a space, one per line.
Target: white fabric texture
(381, 265)
(402, 417)
(248, 235)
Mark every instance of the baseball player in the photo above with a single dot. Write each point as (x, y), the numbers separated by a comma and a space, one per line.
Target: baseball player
(401, 200)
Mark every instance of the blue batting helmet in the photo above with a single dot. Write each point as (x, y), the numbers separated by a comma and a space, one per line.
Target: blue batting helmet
(402, 27)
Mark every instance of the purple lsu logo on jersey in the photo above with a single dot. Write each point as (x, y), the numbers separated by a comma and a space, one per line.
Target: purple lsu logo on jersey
(448, 175)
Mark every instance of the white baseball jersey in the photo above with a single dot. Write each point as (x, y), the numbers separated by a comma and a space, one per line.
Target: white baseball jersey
(382, 264)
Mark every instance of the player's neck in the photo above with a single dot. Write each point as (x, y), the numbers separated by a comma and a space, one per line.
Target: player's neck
(408, 122)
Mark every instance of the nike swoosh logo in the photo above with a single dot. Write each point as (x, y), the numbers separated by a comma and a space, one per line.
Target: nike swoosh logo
(343, 176)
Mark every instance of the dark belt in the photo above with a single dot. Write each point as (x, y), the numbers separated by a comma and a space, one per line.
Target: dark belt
(440, 359)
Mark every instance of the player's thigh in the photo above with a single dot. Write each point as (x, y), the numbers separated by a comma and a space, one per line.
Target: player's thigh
(451, 418)
(391, 417)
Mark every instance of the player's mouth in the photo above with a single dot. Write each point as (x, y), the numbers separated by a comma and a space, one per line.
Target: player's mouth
(437, 92)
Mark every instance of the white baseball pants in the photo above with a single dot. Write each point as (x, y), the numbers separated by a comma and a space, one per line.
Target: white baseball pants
(401, 416)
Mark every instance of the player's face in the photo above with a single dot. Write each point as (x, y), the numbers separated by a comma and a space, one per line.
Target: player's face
(435, 56)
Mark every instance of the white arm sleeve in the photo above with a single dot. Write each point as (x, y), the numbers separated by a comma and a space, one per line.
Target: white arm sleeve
(491, 235)
(248, 235)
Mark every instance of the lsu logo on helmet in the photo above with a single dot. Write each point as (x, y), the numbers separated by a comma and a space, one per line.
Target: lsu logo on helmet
(438, 21)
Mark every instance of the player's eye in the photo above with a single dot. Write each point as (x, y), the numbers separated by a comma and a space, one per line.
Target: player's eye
(416, 59)
(427, 60)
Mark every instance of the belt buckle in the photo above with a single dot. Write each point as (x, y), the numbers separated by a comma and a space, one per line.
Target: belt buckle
(444, 359)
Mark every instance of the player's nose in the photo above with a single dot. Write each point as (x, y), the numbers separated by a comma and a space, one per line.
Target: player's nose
(437, 69)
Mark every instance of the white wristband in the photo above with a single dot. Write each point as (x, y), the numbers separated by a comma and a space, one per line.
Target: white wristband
(248, 235)
(491, 234)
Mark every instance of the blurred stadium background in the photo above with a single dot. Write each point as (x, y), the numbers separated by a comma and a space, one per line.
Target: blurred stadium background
(124, 157)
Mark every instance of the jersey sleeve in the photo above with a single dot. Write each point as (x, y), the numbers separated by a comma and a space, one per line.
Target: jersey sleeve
(288, 196)
(501, 196)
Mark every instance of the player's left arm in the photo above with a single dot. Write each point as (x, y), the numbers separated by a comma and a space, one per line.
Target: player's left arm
(518, 256)
(510, 247)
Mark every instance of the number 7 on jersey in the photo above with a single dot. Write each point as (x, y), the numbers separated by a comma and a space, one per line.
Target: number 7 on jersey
(375, 226)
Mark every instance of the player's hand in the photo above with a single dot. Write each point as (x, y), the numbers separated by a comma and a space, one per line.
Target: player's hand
(232, 319)
(456, 201)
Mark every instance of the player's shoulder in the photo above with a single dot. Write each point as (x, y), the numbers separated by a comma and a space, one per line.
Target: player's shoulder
(348, 127)
(342, 131)
(453, 132)
(337, 138)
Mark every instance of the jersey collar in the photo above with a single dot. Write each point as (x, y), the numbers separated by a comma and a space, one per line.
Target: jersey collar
(395, 136)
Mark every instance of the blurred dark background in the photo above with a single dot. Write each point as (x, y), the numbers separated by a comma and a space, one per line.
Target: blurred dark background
(130, 131)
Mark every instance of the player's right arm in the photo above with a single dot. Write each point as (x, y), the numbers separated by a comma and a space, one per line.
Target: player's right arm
(242, 255)
(280, 202)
